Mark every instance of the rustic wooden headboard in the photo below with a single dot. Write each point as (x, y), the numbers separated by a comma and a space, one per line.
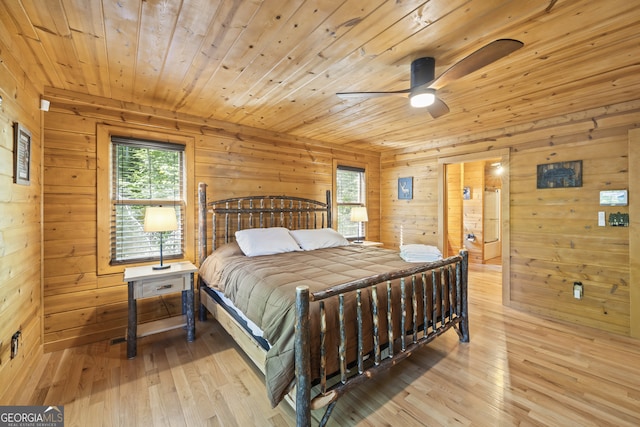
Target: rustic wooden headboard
(239, 213)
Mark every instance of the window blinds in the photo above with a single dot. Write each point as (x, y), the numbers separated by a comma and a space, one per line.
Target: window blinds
(145, 173)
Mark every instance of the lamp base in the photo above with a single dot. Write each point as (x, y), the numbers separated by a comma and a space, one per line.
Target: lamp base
(358, 242)
(161, 267)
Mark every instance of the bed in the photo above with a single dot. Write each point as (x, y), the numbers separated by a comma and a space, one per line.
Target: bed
(321, 315)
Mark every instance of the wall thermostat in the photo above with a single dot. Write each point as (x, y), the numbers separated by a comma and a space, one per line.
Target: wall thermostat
(614, 198)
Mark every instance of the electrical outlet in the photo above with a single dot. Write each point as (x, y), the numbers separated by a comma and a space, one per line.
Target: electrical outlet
(577, 290)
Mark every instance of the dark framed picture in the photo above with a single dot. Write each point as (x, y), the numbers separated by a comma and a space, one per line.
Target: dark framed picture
(560, 174)
(21, 154)
(405, 188)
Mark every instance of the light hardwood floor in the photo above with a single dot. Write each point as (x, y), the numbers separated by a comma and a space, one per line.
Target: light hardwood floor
(517, 370)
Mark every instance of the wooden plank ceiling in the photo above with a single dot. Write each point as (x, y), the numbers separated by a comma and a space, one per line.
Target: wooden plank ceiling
(277, 64)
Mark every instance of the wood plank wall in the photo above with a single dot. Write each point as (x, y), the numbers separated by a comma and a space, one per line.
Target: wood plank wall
(453, 209)
(82, 306)
(472, 210)
(20, 227)
(554, 234)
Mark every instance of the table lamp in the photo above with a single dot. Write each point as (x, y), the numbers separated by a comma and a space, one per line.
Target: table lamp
(359, 214)
(158, 219)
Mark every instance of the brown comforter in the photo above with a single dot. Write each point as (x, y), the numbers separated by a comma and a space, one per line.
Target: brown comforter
(263, 288)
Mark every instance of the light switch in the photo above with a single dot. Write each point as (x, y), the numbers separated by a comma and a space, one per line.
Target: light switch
(601, 219)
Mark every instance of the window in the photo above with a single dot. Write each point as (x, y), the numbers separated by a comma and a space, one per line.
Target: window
(350, 192)
(145, 173)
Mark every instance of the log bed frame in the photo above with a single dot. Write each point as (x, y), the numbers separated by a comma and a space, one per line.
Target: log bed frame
(450, 276)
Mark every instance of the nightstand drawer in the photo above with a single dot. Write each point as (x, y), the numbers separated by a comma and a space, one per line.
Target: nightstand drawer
(146, 289)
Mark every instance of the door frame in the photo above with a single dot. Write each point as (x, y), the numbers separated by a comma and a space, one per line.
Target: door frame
(634, 234)
(503, 155)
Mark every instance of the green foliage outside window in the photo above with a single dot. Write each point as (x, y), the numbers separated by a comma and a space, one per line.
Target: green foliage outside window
(350, 192)
(145, 174)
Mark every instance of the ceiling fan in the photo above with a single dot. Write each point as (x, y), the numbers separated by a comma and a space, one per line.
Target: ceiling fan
(422, 92)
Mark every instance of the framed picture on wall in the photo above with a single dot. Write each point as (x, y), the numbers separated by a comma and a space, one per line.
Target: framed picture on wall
(21, 154)
(466, 193)
(560, 174)
(405, 188)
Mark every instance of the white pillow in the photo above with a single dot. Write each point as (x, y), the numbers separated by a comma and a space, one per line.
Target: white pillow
(266, 241)
(318, 238)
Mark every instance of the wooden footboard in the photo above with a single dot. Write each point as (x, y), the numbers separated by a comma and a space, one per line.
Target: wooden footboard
(433, 300)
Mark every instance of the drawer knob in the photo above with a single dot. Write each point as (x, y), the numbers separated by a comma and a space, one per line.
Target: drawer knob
(159, 288)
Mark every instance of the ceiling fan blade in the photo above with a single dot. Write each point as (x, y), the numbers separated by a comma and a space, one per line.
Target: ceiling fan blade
(438, 108)
(404, 92)
(484, 56)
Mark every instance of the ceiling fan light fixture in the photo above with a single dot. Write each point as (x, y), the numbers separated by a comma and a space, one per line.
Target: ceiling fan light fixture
(424, 84)
(423, 99)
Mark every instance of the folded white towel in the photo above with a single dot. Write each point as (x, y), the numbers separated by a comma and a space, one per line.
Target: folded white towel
(420, 253)
(419, 249)
(420, 257)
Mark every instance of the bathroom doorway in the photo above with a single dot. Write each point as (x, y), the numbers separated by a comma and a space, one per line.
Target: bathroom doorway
(474, 210)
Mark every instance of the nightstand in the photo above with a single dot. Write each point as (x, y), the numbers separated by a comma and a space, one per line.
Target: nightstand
(145, 282)
(368, 243)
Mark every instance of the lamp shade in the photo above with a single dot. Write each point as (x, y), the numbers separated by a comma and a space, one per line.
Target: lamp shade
(160, 219)
(359, 214)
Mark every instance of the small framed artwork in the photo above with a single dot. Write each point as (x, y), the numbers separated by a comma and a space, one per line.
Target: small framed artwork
(405, 188)
(560, 174)
(466, 193)
(21, 154)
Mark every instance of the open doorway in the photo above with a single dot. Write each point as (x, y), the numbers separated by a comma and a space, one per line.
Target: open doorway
(474, 209)
(473, 199)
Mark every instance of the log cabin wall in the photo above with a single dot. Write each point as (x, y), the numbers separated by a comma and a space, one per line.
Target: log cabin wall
(20, 228)
(554, 237)
(472, 211)
(81, 305)
(453, 209)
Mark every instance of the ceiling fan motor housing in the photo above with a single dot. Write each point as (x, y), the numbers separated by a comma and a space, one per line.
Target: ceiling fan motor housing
(422, 71)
